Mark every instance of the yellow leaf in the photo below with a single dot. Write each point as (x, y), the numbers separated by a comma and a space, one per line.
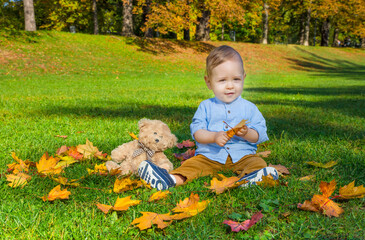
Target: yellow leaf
(268, 181)
(227, 183)
(65, 181)
(133, 135)
(18, 180)
(65, 161)
(149, 218)
(125, 184)
(191, 205)
(47, 165)
(158, 195)
(104, 208)
(307, 178)
(350, 191)
(56, 193)
(321, 165)
(88, 149)
(123, 204)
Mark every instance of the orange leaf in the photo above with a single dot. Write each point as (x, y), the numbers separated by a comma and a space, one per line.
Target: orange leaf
(125, 184)
(233, 131)
(149, 218)
(308, 206)
(133, 135)
(56, 193)
(327, 206)
(158, 195)
(123, 204)
(268, 181)
(47, 165)
(350, 191)
(104, 208)
(18, 180)
(227, 183)
(327, 188)
(191, 205)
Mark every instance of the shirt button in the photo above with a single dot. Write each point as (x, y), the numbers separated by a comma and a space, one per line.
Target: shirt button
(226, 127)
(229, 111)
(227, 148)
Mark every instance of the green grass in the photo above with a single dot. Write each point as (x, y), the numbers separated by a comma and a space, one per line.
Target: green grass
(98, 87)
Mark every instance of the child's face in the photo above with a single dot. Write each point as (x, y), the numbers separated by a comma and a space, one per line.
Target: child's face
(226, 80)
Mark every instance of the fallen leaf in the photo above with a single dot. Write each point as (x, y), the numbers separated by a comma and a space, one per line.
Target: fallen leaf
(88, 150)
(150, 218)
(186, 143)
(159, 195)
(61, 136)
(103, 207)
(63, 149)
(280, 168)
(322, 165)
(226, 183)
(98, 169)
(64, 181)
(307, 178)
(308, 206)
(268, 181)
(245, 225)
(133, 135)
(264, 154)
(122, 204)
(126, 184)
(17, 180)
(57, 193)
(186, 155)
(191, 205)
(350, 191)
(47, 165)
(74, 153)
(65, 161)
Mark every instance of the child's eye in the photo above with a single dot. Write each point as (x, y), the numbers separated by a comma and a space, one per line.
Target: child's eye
(155, 133)
(222, 80)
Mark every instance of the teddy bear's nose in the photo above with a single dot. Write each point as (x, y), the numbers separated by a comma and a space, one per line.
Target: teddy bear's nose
(157, 140)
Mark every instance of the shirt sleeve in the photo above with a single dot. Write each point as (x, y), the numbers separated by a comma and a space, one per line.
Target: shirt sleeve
(258, 123)
(199, 120)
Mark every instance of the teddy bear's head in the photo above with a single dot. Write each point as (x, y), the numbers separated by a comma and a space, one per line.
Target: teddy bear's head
(155, 135)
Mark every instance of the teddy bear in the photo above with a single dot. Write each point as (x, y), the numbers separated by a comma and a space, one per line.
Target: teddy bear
(154, 138)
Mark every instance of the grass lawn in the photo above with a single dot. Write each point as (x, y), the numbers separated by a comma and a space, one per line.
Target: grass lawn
(98, 87)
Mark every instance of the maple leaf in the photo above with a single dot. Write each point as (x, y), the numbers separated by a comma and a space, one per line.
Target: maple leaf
(321, 165)
(125, 184)
(17, 180)
(65, 161)
(280, 168)
(245, 225)
(264, 154)
(103, 207)
(123, 204)
(158, 196)
(63, 149)
(47, 165)
(230, 133)
(74, 153)
(307, 178)
(57, 193)
(98, 169)
(226, 183)
(186, 155)
(186, 143)
(191, 205)
(61, 136)
(19, 165)
(268, 181)
(350, 191)
(322, 202)
(65, 181)
(88, 150)
(149, 218)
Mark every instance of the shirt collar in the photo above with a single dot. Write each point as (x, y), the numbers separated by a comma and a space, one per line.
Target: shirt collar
(220, 102)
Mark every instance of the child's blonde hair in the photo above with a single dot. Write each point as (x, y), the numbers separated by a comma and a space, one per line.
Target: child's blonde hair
(218, 56)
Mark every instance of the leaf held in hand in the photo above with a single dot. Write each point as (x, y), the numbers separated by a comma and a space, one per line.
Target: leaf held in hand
(230, 133)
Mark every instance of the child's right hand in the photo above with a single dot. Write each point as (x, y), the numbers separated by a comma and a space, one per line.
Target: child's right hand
(221, 138)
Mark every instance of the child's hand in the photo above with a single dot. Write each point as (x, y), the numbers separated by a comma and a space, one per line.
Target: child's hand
(221, 138)
(243, 131)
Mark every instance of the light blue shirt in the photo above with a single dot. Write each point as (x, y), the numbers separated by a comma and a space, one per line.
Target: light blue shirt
(210, 116)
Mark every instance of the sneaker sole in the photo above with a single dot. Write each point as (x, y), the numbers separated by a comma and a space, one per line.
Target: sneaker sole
(154, 176)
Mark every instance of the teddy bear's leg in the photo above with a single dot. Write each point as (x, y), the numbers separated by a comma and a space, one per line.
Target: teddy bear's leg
(162, 161)
(111, 165)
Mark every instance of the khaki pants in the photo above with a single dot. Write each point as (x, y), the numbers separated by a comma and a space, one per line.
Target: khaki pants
(199, 166)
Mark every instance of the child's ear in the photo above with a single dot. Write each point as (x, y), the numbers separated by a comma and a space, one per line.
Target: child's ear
(207, 82)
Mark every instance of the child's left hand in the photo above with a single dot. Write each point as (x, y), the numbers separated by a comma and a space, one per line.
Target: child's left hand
(243, 131)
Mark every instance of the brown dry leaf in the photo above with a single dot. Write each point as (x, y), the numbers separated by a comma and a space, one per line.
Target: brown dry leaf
(307, 178)
(17, 180)
(57, 193)
(322, 165)
(191, 205)
(268, 181)
(47, 165)
(87, 150)
(123, 204)
(103, 207)
(350, 191)
(280, 168)
(159, 195)
(227, 183)
(264, 154)
(308, 206)
(61, 136)
(61, 150)
(149, 218)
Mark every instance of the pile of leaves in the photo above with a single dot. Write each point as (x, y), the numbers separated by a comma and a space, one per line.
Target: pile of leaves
(20, 173)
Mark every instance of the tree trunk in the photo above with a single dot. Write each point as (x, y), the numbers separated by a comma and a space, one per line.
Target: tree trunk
(325, 33)
(187, 28)
(186, 34)
(307, 28)
(29, 17)
(222, 37)
(335, 42)
(203, 28)
(127, 29)
(302, 29)
(95, 12)
(146, 10)
(265, 23)
(363, 42)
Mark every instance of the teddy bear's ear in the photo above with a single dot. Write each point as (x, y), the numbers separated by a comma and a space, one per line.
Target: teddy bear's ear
(143, 122)
(173, 141)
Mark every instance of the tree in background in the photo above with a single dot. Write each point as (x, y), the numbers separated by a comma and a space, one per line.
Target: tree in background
(95, 17)
(127, 29)
(29, 18)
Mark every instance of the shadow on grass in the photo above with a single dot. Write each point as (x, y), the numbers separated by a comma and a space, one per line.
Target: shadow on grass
(330, 67)
(164, 46)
